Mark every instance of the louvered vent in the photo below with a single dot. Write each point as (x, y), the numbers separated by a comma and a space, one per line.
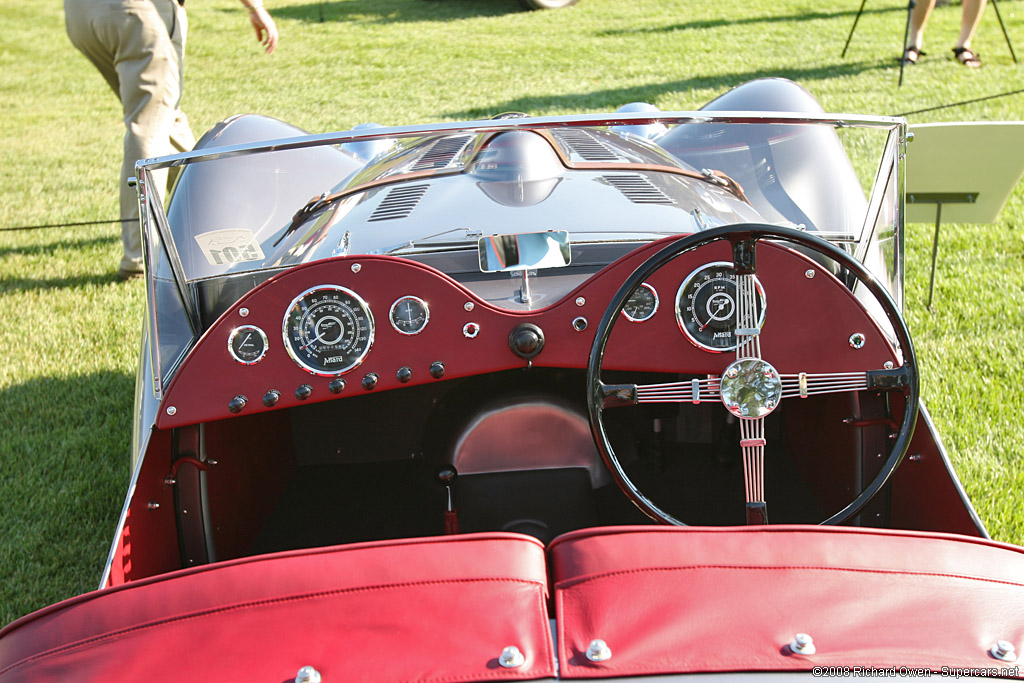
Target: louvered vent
(587, 145)
(398, 203)
(442, 153)
(638, 189)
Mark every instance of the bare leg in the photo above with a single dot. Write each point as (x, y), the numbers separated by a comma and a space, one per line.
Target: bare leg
(969, 20)
(919, 19)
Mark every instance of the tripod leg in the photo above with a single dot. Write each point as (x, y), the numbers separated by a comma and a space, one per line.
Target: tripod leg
(854, 27)
(1005, 34)
(906, 36)
(935, 251)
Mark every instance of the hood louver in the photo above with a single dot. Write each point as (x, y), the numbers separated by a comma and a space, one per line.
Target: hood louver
(638, 189)
(587, 146)
(398, 203)
(442, 153)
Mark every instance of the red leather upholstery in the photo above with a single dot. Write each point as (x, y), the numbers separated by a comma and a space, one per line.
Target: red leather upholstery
(438, 609)
(731, 599)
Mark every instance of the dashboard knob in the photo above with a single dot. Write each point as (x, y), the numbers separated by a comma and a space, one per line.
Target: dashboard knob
(303, 392)
(370, 381)
(446, 475)
(236, 404)
(526, 340)
(336, 386)
(404, 374)
(437, 369)
(270, 398)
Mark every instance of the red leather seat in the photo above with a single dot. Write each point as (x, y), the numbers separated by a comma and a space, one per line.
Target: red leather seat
(689, 599)
(433, 609)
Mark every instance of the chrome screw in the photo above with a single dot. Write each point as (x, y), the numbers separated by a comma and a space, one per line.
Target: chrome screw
(598, 651)
(1003, 651)
(468, 306)
(857, 340)
(307, 674)
(802, 644)
(580, 301)
(356, 267)
(171, 410)
(511, 657)
(809, 273)
(244, 312)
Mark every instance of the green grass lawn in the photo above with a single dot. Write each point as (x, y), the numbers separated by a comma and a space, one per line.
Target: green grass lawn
(69, 330)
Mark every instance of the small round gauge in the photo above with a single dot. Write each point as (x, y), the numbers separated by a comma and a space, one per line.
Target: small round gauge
(247, 344)
(641, 304)
(706, 306)
(409, 315)
(328, 330)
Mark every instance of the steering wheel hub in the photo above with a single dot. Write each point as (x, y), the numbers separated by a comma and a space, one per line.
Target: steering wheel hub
(751, 388)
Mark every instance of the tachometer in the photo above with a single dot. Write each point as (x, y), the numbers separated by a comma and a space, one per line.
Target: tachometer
(706, 306)
(328, 330)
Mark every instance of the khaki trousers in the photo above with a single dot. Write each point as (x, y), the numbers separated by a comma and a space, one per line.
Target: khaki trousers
(139, 48)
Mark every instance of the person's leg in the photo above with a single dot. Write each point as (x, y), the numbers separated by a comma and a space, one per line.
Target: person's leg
(969, 20)
(919, 20)
(148, 65)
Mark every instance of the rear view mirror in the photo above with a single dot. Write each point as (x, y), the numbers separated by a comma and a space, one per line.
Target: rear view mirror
(525, 251)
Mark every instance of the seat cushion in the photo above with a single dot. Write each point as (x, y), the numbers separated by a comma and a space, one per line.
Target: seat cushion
(422, 609)
(690, 599)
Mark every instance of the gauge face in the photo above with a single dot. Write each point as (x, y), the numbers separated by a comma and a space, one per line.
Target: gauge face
(247, 344)
(641, 304)
(706, 306)
(409, 315)
(328, 330)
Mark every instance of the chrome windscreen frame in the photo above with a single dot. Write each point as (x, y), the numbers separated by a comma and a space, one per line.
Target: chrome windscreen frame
(156, 230)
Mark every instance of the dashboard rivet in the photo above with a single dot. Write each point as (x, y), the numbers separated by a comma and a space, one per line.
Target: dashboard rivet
(809, 273)
(469, 306)
(598, 651)
(580, 301)
(511, 657)
(579, 324)
(153, 505)
(171, 410)
(802, 644)
(356, 267)
(857, 340)
(244, 312)
(887, 365)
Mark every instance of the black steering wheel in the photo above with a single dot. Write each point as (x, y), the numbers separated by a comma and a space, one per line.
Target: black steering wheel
(749, 387)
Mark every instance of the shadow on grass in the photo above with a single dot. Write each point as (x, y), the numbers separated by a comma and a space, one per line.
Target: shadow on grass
(64, 445)
(739, 21)
(613, 98)
(397, 11)
(75, 282)
(37, 249)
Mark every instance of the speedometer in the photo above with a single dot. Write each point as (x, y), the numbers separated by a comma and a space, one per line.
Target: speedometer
(706, 306)
(328, 330)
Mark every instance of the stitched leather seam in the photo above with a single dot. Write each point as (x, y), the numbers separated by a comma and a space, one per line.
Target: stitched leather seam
(252, 604)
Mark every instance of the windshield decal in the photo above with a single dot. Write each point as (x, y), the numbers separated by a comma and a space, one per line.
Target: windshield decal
(234, 245)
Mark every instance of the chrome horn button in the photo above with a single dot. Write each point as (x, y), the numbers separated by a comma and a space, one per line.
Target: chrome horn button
(751, 388)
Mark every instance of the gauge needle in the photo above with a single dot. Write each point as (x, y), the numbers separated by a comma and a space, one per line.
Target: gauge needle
(312, 341)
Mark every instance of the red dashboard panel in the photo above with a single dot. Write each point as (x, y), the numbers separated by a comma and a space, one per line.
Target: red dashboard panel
(808, 324)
